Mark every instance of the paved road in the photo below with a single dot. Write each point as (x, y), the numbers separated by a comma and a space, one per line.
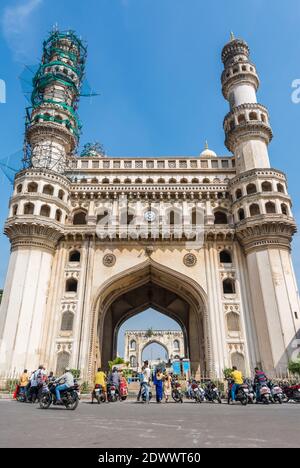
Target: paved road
(131, 424)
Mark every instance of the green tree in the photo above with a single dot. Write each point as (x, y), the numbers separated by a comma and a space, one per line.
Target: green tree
(227, 373)
(115, 362)
(294, 367)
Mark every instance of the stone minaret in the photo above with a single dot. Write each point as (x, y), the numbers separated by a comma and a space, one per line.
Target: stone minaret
(262, 211)
(39, 205)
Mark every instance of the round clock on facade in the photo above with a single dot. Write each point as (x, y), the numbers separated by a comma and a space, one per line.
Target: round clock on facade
(150, 216)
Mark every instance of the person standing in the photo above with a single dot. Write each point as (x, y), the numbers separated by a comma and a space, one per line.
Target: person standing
(238, 380)
(158, 382)
(146, 381)
(24, 380)
(167, 387)
(100, 379)
(260, 379)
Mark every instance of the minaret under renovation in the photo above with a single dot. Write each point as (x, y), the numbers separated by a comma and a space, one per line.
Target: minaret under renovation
(97, 239)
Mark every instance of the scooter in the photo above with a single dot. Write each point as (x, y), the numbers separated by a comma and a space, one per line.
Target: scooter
(264, 395)
(241, 395)
(123, 390)
(292, 392)
(112, 393)
(212, 394)
(276, 393)
(176, 391)
(251, 392)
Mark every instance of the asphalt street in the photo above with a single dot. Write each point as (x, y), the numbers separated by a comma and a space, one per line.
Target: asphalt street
(130, 424)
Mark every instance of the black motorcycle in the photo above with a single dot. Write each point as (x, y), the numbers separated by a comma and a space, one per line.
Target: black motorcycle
(211, 393)
(177, 391)
(98, 394)
(69, 397)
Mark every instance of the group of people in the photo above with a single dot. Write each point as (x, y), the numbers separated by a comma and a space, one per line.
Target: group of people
(31, 384)
(161, 380)
(260, 379)
(116, 377)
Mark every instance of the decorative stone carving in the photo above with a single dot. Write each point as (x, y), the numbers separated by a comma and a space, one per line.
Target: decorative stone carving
(190, 260)
(109, 260)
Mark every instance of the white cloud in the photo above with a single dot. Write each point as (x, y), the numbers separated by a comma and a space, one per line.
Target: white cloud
(16, 22)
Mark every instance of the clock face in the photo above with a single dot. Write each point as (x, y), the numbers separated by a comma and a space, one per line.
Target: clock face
(150, 216)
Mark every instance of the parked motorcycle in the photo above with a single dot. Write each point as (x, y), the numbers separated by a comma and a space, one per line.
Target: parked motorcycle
(264, 395)
(276, 393)
(212, 394)
(177, 391)
(241, 395)
(69, 397)
(98, 394)
(112, 393)
(251, 392)
(123, 392)
(292, 392)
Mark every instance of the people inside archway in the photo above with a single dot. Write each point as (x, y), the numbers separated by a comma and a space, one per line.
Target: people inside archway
(101, 379)
(158, 382)
(260, 379)
(238, 380)
(114, 378)
(167, 386)
(67, 380)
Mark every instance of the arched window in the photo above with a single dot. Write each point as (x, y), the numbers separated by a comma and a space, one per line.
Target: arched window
(19, 188)
(105, 181)
(32, 187)
(74, 256)
(48, 190)
(183, 181)
(229, 286)
(132, 361)
(71, 285)
(83, 181)
(79, 218)
(254, 209)
(284, 209)
(62, 364)
(238, 194)
(253, 116)
(225, 256)
(241, 119)
(15, 210)
(45, 211)
(220, 217)
(58, 215)
(67, 321)
(280, 188)
(174, 218)
(251, 188)
(176, 345)
(195, 180)
(266, 187)
(94, 180)
(61, 194)
(138, 181)
(149, 180)
(127, 181)
(263, 118)
(29, 209)
(161, 181)
(241, 214)
(270, 208)
(233, 322)
(133, 345)
(116, 181)
(206, 181)
(172, 181)
(238, 360)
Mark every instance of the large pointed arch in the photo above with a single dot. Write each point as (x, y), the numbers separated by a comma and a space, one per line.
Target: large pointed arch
(153, 284)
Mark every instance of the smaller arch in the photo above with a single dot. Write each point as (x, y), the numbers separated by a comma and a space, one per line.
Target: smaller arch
(32, 187)
(138, 181)
(67, 321)
(253, 116)
(280, 188)
(48, 189)
(270, 208)
(71, 285)
(45, 211)
(62, 362)
(263, 118)
(241, 119)
(284, 209)
(79, 218)
(61, 194)
(116, 181)
(195, 180)
(266, 186)
(251, 189)
(225, 256)
(183, 180)
(220, 217)
(105, 180)
(15, 210)
(133, 345)
(241, 214)
(254, 209)
(172, 180)
(233, 322)
(206, 181)
(58, 215)
(94, 180)
(161, 181)
(19, 188)
(229, 286)
(132, 361)
(176, 345)
(238, 361)
(238, 194)
(127, 181)
(83, 180)
(28, 209)
(149, 180)
(74, 256)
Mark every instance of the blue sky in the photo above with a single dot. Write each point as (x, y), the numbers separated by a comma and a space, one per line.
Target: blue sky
(157, 66)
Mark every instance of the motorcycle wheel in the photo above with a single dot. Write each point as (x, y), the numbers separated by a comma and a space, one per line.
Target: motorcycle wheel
(244, 401)
(72, 403)
(181, 400)
(265, 401)
(45, 401)
(219, 400)
(123, 398)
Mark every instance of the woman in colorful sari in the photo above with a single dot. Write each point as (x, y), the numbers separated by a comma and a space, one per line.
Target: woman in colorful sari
(167, 386)
(158, 382)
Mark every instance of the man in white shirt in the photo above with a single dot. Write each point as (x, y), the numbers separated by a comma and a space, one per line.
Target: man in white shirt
(146, 379)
